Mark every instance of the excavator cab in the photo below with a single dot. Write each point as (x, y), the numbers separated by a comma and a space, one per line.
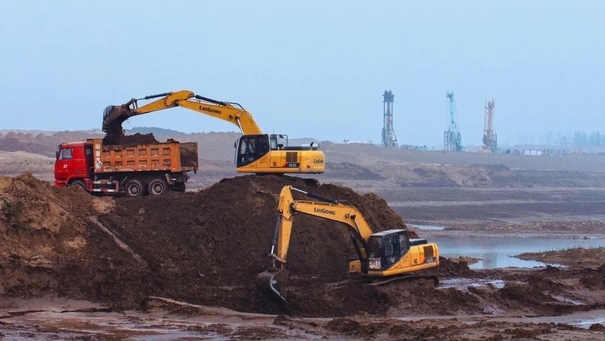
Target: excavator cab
(386, 248)
(250, 148)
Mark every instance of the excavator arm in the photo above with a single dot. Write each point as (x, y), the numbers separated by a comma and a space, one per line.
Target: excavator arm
(336, 210)
(326, 208)
(114, 116)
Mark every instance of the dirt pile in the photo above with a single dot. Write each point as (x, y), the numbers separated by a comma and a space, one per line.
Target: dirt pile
(38, 224)
(199, 244)
(130, 140)
(207, 247)
(50, 246)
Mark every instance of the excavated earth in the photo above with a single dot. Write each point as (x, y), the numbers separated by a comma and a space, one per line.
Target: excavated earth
(207, 247)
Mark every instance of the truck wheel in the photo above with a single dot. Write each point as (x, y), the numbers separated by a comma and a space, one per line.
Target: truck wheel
(78, 183)
(157, 187)
(134, 188)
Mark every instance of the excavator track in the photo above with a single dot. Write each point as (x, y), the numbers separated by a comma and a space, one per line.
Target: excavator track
(429, 281)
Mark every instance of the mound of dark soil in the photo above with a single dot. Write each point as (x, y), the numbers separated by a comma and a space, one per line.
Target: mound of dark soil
(450, 268)
(130, 140)
(198, 243)
(205, 247)
(38, 225)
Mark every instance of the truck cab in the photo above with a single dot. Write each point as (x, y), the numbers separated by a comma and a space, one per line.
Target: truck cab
(73, 160)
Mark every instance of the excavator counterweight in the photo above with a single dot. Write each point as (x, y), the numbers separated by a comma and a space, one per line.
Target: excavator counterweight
(256, 152)
(385, 257)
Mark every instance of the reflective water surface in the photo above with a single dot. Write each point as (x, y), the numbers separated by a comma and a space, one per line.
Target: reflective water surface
(497, 252)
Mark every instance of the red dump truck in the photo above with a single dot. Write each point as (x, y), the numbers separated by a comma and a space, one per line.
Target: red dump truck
(133, 169)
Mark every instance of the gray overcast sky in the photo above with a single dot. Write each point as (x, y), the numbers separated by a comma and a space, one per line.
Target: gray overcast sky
(309, 68)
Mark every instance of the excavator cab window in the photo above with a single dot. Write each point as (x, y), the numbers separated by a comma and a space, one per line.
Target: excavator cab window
(274, 144)
(391, 250)
(404, 244)
(388, 248)
(251, 148)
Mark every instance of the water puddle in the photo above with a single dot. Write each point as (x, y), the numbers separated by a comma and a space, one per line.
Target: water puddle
(582, 319)
(470, 282)
(585, 323)
(498, 252)
(427, 227)
(567, 300)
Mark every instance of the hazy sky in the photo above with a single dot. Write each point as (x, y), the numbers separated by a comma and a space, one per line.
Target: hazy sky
(309, 68)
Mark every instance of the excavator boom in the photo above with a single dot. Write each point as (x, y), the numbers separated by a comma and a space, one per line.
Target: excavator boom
(384, 256)
(231, 112)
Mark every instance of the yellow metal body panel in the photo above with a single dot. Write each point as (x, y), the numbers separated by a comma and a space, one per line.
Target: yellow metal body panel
(286, 161)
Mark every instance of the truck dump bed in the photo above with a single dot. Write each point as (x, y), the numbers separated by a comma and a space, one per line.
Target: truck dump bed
(165, 156)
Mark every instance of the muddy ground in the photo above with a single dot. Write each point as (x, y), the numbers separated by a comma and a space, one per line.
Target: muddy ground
(570, 257)
(117, 253)
(200, 248)
(164, 319)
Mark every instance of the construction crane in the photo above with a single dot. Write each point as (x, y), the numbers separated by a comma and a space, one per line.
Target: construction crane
(490, 139)
(452, 139)
(389, 139)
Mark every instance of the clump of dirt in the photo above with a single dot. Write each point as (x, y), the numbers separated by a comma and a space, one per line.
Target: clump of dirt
(456, 267)
(593, 279)
(538, 295)
(130, 140)
(597, 327)
(545, 285)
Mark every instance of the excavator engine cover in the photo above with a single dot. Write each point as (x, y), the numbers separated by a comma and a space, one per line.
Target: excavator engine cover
(270, 284)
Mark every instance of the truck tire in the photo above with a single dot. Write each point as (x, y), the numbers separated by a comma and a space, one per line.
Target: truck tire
(157, 187)
(134, 188)
(78, 183)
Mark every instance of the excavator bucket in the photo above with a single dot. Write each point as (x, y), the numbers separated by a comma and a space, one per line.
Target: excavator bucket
(269, 283)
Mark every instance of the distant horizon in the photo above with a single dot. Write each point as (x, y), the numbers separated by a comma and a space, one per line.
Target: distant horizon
(375, 143)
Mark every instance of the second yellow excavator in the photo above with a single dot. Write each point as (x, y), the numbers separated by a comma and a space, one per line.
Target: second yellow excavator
(384, 257)
(255, 152)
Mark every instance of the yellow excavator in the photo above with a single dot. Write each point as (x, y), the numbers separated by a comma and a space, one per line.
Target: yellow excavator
(255, 152)
(383, 257)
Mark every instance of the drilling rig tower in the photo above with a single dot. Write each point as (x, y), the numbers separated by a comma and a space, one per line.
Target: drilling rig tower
(452, 140)
(389, 139)
(490, 139)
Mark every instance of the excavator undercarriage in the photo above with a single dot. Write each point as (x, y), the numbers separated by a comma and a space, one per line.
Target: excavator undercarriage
(271, 283)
